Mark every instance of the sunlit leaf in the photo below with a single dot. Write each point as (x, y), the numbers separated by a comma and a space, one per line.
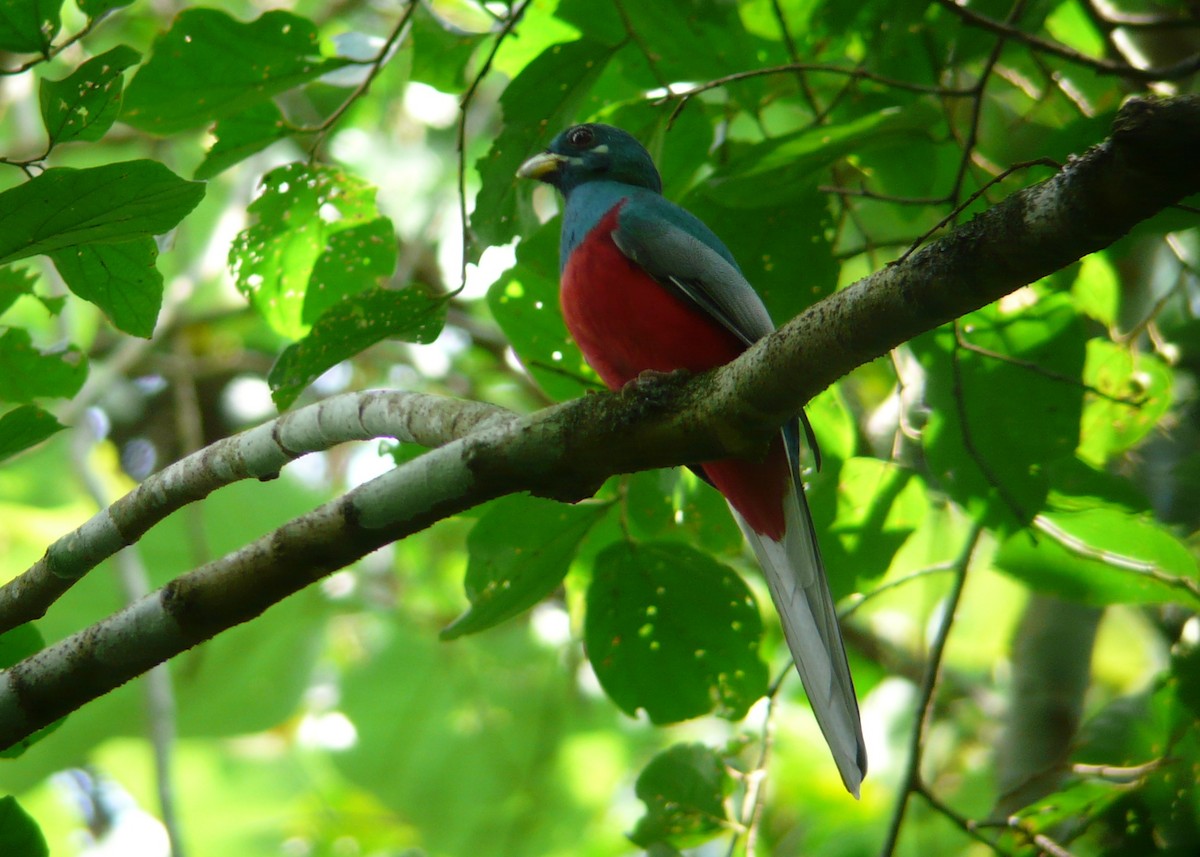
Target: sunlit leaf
(684, 789)
(84, 104)
(1096, 290)
(354, 323)
(518, 553)
(671, 631)
(118, 202)
(1101, 557)
(210, 65)
(1002, 405)
(292, 264)
(24, 427)
(29, 373)
(120, 278)
(1136, 392)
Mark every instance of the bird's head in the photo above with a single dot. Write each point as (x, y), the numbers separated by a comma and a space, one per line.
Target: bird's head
(593, 152)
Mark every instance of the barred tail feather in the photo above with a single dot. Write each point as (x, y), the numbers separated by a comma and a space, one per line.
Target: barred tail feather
(796, 577)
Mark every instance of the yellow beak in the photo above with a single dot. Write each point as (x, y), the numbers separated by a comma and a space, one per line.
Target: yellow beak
(541, 165)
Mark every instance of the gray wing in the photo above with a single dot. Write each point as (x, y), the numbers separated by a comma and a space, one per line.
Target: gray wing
(704, 276)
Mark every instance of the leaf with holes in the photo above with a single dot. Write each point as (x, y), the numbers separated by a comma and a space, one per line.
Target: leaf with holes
(240, 136)
(292, 264)
(684, 789)
(356, 322)
(519, 551)
(672, 631)
(29, 26)
(84, 104)
(209, 66)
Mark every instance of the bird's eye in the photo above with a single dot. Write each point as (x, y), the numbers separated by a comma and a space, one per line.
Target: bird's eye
(581, 136)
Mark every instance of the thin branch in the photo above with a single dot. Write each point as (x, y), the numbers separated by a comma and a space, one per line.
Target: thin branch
(461, 138)
(1176, 71)
(966, 825)
(911, 781)
(375, 66)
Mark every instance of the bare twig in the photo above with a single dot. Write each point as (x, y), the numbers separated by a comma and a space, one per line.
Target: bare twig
(911, 781)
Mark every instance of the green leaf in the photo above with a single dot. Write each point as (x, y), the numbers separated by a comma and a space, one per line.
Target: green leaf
(289, 264)
(240, 136)
(441, 53)
(775, 171)
(29, 373)
(677, 504)
(119, 278)
(1142, 380)
(879, 505)
(209, 66)
(995, 424)
(355, 323)
(24, 427)
(684, 789)
(96, 8)
(29, 26)
(539, 103)
(16, 645)
(519, 552)
(674, 632)
(20, 835)
(1101, 557)
(15, 282)
(1097, 290)
(524, 302)
(118, 202)
(84, 104)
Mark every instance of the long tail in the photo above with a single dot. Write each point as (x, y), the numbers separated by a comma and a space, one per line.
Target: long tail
(796, 577)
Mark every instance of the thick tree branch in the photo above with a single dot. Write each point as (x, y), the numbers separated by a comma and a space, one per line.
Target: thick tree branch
(567, 451)
(255, 454)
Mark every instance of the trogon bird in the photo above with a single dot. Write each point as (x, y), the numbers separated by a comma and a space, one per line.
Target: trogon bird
(646, 286)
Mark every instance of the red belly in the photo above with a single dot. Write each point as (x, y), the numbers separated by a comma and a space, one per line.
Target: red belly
(626, 322)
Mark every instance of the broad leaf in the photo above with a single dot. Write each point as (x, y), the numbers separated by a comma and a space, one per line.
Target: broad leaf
(240, 136)
(84, 104)
(120, 278)
(29, 26)
(29, 373)
(672, 631)
(518, 553)
(1001, 415)
(97, 8)
(209, 66)
(24, 427)
(684, 789)
(355, 323)
(118, 202)
(291, 264)
(1101, 557)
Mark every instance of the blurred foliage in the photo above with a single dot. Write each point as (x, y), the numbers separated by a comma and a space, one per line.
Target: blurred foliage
(208, 212)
